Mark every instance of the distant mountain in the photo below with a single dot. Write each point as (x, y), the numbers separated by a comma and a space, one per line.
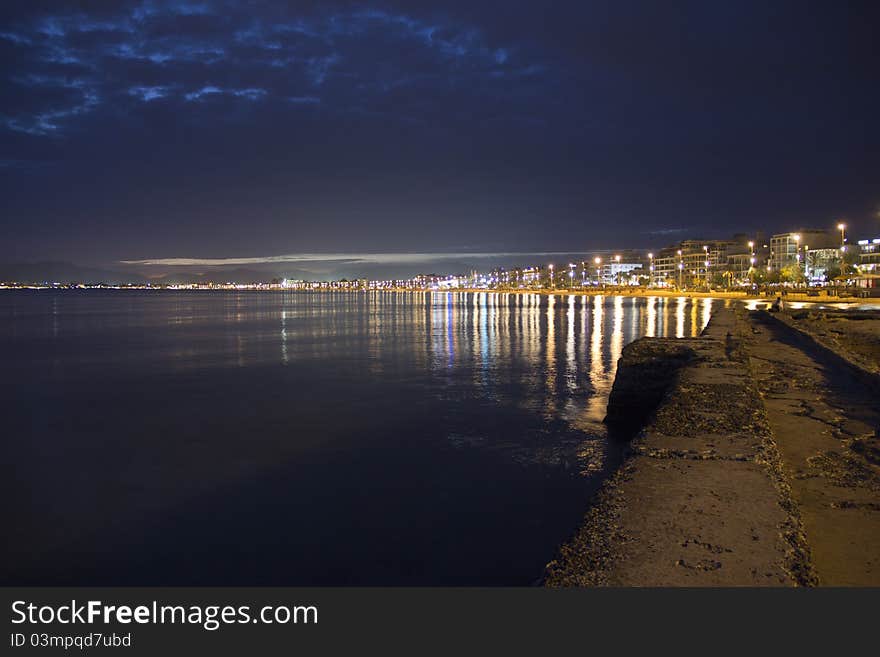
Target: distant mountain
(63, 272)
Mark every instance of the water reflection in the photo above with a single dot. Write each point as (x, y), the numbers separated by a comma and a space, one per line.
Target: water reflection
(567, 344)
(679, 316)
(397, 412)
(598, 379)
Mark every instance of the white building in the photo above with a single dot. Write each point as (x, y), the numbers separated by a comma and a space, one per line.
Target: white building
(619, 273)
(788, 249)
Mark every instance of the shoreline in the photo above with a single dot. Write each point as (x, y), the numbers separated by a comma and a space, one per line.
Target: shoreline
(755, 463)
(700, 499)
(802, 299)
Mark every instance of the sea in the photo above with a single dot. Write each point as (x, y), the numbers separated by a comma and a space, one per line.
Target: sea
(306, 438)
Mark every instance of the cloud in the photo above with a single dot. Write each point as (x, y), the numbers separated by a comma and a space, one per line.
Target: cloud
(667, 231)
(81, 98)
(358, 258)
(180, 52)
(147, 94)
(18, 39)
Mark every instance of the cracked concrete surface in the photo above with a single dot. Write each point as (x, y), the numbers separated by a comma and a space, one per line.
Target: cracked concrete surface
(761, 466)
(825, 423)
(701, 500)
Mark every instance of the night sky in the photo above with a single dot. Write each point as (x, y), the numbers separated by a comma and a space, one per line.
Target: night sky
(212, 129)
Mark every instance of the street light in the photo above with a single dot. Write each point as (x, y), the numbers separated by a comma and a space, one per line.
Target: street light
(680, 268)
(752, 256)
(651, 269)
(598, 262)
(706, 263)
(842, 228)
(552, 285)
(806, 260)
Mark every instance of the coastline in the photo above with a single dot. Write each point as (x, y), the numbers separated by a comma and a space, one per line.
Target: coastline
(758, 467)
(700, 499)
(801, 300)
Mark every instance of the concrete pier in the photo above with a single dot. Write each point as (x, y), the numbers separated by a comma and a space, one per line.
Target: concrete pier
(701, 499)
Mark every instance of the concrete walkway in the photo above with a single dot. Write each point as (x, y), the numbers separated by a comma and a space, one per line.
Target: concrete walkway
(824, 421)
(701, 500)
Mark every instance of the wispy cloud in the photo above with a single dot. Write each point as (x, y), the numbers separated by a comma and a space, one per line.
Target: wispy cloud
(361, 258)
(147, 94)
(166, 52)
(210, 90)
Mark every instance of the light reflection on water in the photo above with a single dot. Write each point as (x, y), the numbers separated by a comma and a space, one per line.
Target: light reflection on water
(439, 438)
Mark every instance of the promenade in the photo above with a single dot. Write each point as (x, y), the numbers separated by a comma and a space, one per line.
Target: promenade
(759, 467)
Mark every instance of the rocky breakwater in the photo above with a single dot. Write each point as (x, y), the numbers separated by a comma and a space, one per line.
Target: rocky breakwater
(700, 499)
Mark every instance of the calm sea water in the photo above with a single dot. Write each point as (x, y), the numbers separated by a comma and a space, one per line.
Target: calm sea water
(306, 438)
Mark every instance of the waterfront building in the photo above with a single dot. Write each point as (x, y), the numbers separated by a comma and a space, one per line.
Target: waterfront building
(690, 263)
(739, 268)
(665, 269)
(869, 255)
(620, 273)
(787, 249)
(818, 263)
(745, 255)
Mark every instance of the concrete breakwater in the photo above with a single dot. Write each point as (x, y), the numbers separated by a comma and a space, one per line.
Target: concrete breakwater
(700, 499)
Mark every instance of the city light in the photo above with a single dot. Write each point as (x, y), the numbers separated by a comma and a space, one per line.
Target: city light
(694, 260)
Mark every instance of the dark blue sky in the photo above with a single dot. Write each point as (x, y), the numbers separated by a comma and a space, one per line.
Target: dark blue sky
(219, 129)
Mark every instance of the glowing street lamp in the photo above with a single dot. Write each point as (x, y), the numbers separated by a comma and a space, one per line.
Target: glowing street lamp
(616, 275)
(598, 262)
(751, 256)
(706, 264)
(797, 252)
(680, 269)
(650, 269)
(551, 276)
(842, 228)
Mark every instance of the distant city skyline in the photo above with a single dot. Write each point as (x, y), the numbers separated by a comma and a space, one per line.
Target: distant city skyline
(818, 254)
